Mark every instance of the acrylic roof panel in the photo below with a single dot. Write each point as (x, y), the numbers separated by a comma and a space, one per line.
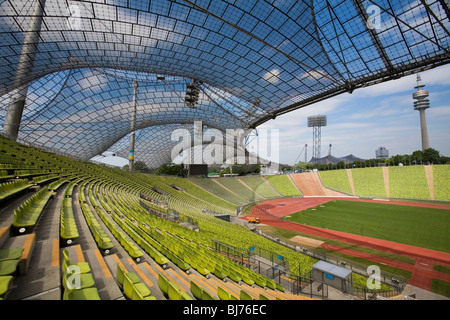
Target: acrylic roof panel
(255, 60)
(332, 269)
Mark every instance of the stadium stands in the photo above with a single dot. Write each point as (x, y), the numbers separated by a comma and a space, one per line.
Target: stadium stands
(369, 182)
(403, 182)
(284, 185)
(194, 190)
(238, 187)
(408, 182)
(337, 180)
(97, 211)
(441, 177)
(260, 186)
(218, 190)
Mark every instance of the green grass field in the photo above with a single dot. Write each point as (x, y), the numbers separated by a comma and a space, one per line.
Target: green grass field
(421, 227)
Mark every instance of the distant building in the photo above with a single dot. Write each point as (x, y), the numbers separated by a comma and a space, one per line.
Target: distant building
(381, 153)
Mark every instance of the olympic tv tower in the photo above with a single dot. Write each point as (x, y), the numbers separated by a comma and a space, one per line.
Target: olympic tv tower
(421, 104)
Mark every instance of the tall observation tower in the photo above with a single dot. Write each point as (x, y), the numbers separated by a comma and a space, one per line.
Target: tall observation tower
(421, 104)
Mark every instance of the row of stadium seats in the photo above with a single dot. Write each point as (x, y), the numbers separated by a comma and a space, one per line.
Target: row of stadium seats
(9, 260)
(27, 215)
(68, 228)
(11, 188)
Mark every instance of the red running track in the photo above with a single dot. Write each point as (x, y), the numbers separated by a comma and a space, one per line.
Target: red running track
(270, 213)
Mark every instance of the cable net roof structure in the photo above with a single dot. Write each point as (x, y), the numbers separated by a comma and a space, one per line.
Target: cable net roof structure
(76, 61)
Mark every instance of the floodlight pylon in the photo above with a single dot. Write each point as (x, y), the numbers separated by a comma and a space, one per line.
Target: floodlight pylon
(317, 122)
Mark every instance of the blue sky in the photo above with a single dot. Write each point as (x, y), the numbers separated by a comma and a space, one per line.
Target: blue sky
(380, 115)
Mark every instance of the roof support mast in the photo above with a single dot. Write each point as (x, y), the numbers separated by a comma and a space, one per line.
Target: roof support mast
(24, 69)
(133, 126)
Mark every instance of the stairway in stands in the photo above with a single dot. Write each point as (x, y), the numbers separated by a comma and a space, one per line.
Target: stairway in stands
(310, 184)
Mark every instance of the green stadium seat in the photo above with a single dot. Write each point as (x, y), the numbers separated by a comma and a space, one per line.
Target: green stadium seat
(260, 281)
(181, 263)
(263, 297)
(82, 294)
(8, 267)
(83, 266)
(245, 296)
(218, 272)
(236, 277)
(137, 295)
(11, 254)
(175, 293)
(207, 296)
(69, 233)
(271, 284)
(120, 276)
(134, 251)
(163, 284)
(4, 284)
(247, 280)
(86, 280)
(130, 287)
(202, 270)
(200, 293)
(224, 294)
(160, 258)
(185, 296)
(279, 287)
(196, 290)
(105, 244)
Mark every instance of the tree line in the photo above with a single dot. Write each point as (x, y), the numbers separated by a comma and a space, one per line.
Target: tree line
(429, 156)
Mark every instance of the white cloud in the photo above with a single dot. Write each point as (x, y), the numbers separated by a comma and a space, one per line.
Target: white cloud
(111, 160)
(439, 112)
(272, 76)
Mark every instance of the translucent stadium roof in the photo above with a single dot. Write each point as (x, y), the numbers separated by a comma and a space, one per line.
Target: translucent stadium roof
(253, 60)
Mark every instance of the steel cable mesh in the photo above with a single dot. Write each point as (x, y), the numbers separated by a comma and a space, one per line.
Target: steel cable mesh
(255, 59)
